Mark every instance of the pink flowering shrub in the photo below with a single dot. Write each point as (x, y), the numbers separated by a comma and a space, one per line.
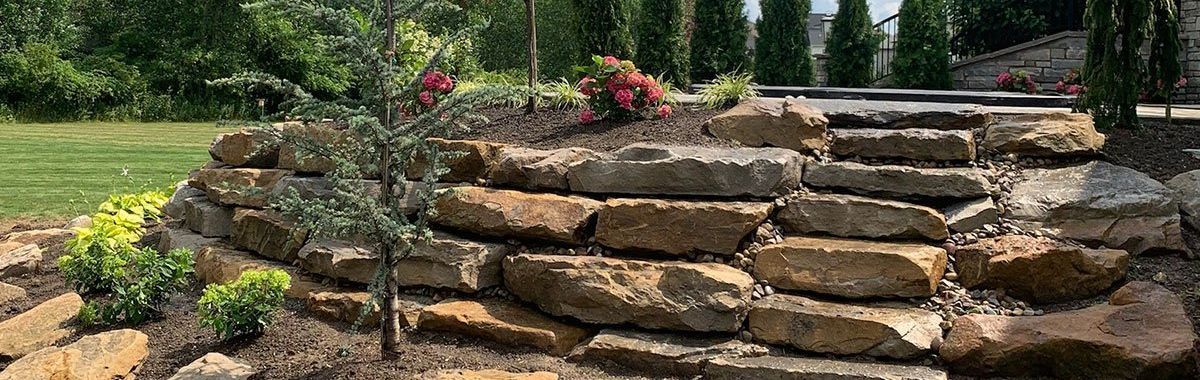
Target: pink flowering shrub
(1020, 81)
(617, 89)
(435, 85)
(1071, 84)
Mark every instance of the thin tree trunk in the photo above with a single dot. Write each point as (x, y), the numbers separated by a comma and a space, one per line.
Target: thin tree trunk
(531, 25)
(390, 328)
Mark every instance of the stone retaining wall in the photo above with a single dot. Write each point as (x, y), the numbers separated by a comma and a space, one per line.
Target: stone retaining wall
(754, 247)
(1048, 59)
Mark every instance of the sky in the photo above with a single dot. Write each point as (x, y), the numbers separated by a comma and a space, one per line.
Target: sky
(880, 9)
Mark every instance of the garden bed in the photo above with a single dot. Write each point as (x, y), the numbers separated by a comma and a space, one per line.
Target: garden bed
(553, 129)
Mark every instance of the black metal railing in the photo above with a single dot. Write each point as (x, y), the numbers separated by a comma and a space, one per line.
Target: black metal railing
(888, 29)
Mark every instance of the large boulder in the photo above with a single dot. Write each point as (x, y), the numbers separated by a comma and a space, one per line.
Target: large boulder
(901, 115)
(672, 170)
(207, 218)
(1187, 193)
(516, 214)
(246, 148)
(487, 374)
(293, 157)
(851, 268)
(844, 329)
(1045, 135)
(856, 216)
(447, 261)
(38, 237)
(779, 367)
(535, 168)
(967, 216)
(678, 227)
(175, 206)
(660, 353)
(898, 181)
(219, 265)
(238, 187)
(268, 234)
(39, 327)
(407, 193)
(1039, 269)
(20, 261)
(475, 160)
(176, 238)
(114, 354)
(1100, 204)
(913, 144)
(771, 122)
(340, 260)
(501, 321)
(346, 305)
(656, 295)
(1142, 333)
(214, 366)
(11, 294)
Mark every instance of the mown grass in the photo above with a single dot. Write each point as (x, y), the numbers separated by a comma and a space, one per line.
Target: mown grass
(56, 171)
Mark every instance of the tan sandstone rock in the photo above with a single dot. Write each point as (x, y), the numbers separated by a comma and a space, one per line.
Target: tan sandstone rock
(913, 144)
(852, 268)
(971, 215)
(779, 367)
(294, 158)
(246, 148)
(11, 294)
(1038, 269)
(1142, 333)
(856, 216)
(536, 168)
(447, 261)
(238, 187)
(108, 355)
(214, 366)
(39, 327)
(663, 354)
(267, 233)
(39, 237)
(659, 170)
(206, 218)
(656, 295)
(503, 322)
(1045, 135)
(346, 305)
(772, 122)
(487, 374)
(476, 160)
(219, 265)
(678, 227)
(898, 181)
(844, 329)
(20, 261)
(510, 213)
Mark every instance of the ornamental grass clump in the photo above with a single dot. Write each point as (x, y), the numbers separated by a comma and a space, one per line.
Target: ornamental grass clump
(617, 89)
(246, 306)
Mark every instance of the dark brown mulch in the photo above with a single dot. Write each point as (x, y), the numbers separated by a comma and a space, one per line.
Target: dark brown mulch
(1156, 149)
(553, 129)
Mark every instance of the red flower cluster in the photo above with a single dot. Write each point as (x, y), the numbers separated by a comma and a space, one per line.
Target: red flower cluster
(1019, 82)
(616, 88)
(436, 83)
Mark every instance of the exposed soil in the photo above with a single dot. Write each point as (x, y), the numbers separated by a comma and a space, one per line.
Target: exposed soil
(553, 129)
(1156, 149)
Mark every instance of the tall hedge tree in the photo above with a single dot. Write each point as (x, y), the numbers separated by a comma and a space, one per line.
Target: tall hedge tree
(923, 49)
(781, 53)
(852, 45)
(662, 46)
(604, 28)
(1114, 71)
(719, 40)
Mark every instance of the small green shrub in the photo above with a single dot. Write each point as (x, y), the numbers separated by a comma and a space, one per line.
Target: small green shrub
(245, 306)
(150, 280)
(97, 257)
(89, 314)
(728, 89)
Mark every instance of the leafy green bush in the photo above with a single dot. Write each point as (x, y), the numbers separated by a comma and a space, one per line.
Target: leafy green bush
(852, 45)
(662, 45)
(98, 257)
(149, 281)
(719, 39)
(923, 47)
(501, 46)
(728, 89)
(781, 53)
(245, 306)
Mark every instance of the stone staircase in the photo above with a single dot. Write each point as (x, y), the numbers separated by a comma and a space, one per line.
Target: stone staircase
(853, 245)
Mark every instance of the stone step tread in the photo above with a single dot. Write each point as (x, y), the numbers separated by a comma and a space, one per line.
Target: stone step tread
(915, 144)
(881, 330)
(502, 321)
(780, 367)
(899, 115)
(898, 181)
(851, 268)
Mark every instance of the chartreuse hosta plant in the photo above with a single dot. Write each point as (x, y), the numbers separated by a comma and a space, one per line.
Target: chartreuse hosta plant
(387, 122)
(246, 306)
(102, 260)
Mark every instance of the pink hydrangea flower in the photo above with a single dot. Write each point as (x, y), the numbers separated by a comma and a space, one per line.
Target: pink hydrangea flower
(624, 98)
(427, 99)
(664, 111)
(636, 79)
(1060, 87)
(587, 116)
(618, 82)
(1182, 82)
(612, 61)
(1004, 79)
(1074, 89)
(654, 94)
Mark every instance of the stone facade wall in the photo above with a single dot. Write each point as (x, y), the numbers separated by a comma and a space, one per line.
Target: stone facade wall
(1048, 59)
(1189, 19)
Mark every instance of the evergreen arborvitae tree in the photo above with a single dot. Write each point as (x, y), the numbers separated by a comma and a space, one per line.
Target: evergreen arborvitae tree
(781, 53)
(1113, 70)
(923, 49)
(852, 45)
(719, 40)
(384, 132)
(662, 46)
(604, 28)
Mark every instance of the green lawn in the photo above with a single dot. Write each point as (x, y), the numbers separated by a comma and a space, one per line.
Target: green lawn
(63, 170)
